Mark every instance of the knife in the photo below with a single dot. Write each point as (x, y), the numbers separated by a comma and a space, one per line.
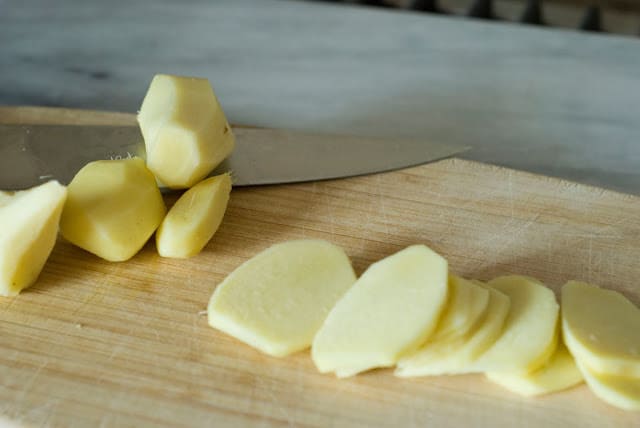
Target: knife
(33, 154)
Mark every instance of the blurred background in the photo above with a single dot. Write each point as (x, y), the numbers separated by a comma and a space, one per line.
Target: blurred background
(613, 16)
(548, 86)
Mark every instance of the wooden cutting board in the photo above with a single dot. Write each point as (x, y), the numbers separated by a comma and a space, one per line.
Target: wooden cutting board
(127, 344)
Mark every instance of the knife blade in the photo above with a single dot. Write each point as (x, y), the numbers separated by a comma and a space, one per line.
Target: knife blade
(33, 154)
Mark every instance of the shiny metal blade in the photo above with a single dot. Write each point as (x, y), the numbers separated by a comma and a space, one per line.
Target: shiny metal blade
(32, 154)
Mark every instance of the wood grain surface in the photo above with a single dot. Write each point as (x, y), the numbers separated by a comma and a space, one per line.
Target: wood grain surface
(95, 343)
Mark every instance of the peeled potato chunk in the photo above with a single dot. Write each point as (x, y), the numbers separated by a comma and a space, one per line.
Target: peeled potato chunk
(466, 304)
(559, 373)
(112, 208)
(185, 131)
(619, 391)
(29, 228)
(277, 300)
(194, 218)
(601, 328)
(454, 355)
(391, 310)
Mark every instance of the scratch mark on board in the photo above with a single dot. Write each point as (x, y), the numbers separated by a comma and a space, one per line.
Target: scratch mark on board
(8, 307)
(510, 190)
(590, 258)
(274, 399)
(28, 386)
(383, 205)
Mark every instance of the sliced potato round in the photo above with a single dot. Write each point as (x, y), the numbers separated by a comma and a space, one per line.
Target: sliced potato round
(529, 336)
(619, 391)
(29, 221)
(194, 218)
(454, 355)
(277, 300)
(559, 373)
(112, 208)
(392, 309)
(601, 328)
(467, 303)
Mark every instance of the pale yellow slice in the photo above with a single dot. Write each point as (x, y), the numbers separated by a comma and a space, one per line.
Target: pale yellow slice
(194, 218)
(455, 355)
(619, 391)
(185, 131)
(557, 374)
(466, 304)
(28, 231)
(112, 209)
(4, 197)
(277, 300)
(529, 336)
(391, 310)
(601, 328)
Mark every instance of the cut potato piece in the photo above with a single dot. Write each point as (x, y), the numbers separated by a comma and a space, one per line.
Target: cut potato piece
(467, 303)
(29, 222)
(185, 131)
(530, 333)
(391, 310)
(277, 300)
(112, 209)
(559, 373)
(619, 391)
(454, 355)
(194, 218)
(601, 328)
(4, 197)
